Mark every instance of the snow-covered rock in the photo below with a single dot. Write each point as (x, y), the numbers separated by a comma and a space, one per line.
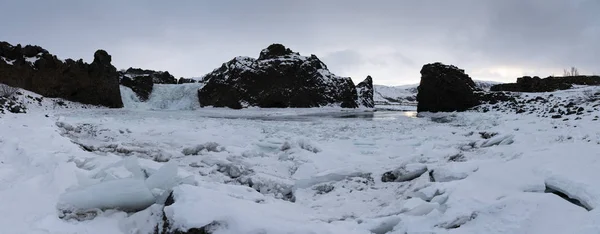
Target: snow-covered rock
(404, 173)
(364, 90)
(35, 69)
(278, 78)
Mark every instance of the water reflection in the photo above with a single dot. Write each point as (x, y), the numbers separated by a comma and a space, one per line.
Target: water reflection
(372, 116)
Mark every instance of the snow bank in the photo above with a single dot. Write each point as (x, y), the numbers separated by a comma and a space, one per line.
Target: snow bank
(235, 216)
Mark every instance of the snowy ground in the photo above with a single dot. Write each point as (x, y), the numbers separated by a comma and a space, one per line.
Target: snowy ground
(306, 170)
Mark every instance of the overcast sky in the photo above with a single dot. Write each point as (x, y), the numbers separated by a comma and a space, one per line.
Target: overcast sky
(390, 40)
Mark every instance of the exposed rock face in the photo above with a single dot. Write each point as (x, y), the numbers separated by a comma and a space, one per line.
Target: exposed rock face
(158, 77)
(445, 88)
(35, 69)
(364, 90)
(186, 81)
(140, 85)
(278, 78)
(142, 81)
(549, 84)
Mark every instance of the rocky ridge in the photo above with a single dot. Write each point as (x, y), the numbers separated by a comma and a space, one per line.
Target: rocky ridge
(35, 69)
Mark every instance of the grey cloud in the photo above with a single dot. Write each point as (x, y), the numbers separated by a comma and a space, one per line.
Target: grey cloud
(190, 38)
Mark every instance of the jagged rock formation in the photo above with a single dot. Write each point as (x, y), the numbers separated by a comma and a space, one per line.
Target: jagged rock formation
(278, 78)
(142, 81)
(549, 84)
(141, 85)
(158, 77)
(445, 88)
(35, 69)
(364, 90)
(186, 81)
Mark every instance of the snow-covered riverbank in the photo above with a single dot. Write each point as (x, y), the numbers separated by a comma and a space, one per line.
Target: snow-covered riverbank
(309, 171)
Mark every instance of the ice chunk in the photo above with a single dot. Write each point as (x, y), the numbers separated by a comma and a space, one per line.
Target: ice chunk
(331, 177)
(126, 168)
(499, 140)
(165, 178)
(123, 194)
(453, 171)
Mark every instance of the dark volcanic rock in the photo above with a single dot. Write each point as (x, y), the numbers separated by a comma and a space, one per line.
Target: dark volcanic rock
(33, 68)
(186, 81)
(404, 173)
(549, 84)
(11, 104)
(158, 77)
(445, 88)
(494, 97)
(278, 78)
(140, 85)
(364, 90)
(142, 81)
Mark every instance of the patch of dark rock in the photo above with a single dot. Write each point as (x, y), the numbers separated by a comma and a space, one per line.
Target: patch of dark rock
(556, 116)
(431, 177)
(324, 188)
(441, 118)
(487, 135)
(88, 148)
(208, 147)
(405, 173)
(12, 105)
(156, 77)
(186, 81)
(279, 191)
(141, 85)
(561, 194)
(285, 146)
(210, 228)
(549, 84)
(458, 157)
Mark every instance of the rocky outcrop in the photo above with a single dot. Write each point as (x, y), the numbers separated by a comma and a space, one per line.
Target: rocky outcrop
(445, 88)
(364, 90)
(158, 77)
(278, 78)
(140, 85)
(549, 84)
(142, 81)
(186, 81)
(35, 69)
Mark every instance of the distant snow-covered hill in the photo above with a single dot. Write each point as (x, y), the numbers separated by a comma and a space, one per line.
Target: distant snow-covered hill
(407, 94)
